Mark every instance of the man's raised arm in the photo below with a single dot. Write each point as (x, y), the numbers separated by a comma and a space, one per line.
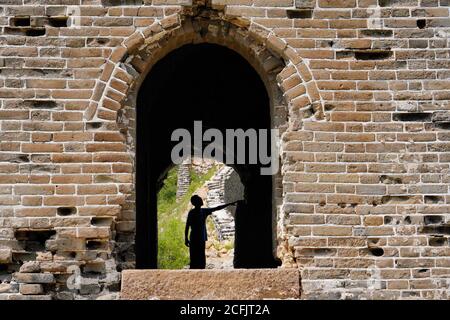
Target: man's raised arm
(211, 210)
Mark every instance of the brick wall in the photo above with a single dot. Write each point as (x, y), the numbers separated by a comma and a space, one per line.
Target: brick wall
(363, 208)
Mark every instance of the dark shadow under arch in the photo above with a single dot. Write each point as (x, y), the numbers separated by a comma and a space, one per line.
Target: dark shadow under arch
(215, 85)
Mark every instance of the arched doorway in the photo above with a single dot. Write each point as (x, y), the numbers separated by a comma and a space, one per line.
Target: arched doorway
(215, 85)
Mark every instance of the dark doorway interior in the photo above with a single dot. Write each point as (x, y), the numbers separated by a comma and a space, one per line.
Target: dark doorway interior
(217, 86)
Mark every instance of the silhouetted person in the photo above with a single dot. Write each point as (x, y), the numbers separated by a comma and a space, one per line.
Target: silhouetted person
(196, 221)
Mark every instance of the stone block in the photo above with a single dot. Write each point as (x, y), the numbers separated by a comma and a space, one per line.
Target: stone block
(236, 284)
(5, 256)
(301, 4)
(34, 277)
(30, 267)
(441, 116)
(5, 288)
(30, 289)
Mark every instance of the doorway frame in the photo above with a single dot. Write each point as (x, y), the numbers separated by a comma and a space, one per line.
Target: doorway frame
(148, 181)
(293, 92)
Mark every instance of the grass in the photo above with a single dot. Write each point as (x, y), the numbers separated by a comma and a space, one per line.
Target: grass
(172, 253)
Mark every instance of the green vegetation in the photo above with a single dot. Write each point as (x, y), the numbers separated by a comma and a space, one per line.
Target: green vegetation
(172, 253)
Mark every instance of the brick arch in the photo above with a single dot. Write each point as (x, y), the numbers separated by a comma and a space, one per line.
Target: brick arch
(293, 93)
(129, 63)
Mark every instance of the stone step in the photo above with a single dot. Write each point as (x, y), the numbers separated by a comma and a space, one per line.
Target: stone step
(234, 284)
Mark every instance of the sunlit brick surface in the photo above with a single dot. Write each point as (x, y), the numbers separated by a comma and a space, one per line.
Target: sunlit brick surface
(360, 90)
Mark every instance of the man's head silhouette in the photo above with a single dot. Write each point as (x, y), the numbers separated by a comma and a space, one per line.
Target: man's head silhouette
(197, 201)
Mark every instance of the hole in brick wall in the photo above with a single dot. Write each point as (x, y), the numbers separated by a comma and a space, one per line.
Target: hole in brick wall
(101, 221)
(125, 57)
(432, 219)
(25, 31)
(377, 33)
(412, 116)
(372, 54)
(384, 3)
(103, 41)
(315, 107)
(15, 158)
(38, 32)
(58, 22)
(43, 104)
(23, 158)
(98, 41)
(93, 125)
(390, 180)
(92, 269)
(96, 245)
(22, 257)
(443, 126)
(115, 286)
(397, 220)
(299, 14)
(439, 229)
(378, 252)
(308, 112)
(434, 199)
(48, 287)
(394, 199)
(329, 107)
(364, 54)
(423, 270)
(342, 204)
(421, 23)
(437, 241)
(20, 22)
(33, 240)
(345, 54)
(66, 211)
(121, 116)
(124, 132)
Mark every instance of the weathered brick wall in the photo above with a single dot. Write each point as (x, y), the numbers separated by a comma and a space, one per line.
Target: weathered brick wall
(364, 199)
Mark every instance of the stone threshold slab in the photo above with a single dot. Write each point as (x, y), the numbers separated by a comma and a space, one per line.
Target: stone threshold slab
(233, 284)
